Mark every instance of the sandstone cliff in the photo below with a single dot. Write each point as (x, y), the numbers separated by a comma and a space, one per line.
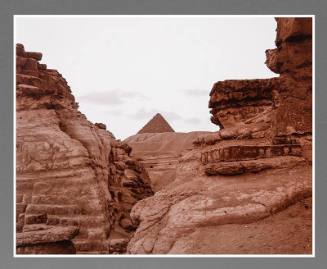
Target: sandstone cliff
(69, 172)
(246, 188)
(283, 105)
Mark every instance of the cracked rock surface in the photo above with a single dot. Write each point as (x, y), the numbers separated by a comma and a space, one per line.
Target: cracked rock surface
(248, 187)
(69, 171)
(172, 216)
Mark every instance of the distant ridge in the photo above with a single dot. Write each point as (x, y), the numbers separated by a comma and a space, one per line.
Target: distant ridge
(157, 124)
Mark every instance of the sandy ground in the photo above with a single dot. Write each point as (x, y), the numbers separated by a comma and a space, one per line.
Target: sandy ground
(288, 231)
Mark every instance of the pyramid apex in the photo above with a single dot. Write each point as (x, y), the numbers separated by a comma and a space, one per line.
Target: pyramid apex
(158, 115)
(157, 124)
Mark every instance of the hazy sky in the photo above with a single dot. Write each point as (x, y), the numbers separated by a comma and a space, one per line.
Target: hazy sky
(123, 70)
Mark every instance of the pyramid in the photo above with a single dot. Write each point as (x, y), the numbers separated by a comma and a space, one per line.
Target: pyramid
(157, 124)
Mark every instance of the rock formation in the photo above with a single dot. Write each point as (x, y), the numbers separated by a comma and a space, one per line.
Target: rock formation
(246, 188)
(157, 124)
(285, 102)
(69, 172)
(48, 240)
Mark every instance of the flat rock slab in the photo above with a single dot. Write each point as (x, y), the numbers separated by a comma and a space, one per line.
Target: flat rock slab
(193, 204)
(53, 234)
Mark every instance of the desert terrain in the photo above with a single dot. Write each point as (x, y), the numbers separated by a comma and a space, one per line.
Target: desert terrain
(244, 189)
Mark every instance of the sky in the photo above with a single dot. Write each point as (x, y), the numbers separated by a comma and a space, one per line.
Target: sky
(124, 69)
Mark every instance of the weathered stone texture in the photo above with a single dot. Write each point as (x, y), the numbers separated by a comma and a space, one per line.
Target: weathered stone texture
(47, 240)
(285, 101)
(66, 167)
(235, 102)
(246, 174)
(214, 191)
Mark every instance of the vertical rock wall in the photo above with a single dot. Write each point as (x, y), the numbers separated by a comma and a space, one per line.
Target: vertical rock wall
(292, 59)
(248, 173)
(69, 172)
(284, 103)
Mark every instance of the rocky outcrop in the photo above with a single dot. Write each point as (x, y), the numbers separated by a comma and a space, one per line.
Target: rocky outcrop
(237, 103)
(50, 240)
(237, 190)
(283, 104)
(170, 218)
(292, 59)
(244, 189)
(69, 172)
(128, 183)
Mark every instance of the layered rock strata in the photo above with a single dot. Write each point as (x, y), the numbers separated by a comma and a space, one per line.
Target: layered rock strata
(284, 102)
(233, 186)
(69, 172)
(244, 189)
(49, 240)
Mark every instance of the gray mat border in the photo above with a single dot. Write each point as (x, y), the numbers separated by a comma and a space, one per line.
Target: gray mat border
(11, 7)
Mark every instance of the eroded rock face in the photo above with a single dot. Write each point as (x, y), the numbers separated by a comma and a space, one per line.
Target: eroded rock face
(281, 106)
(50, 240)
(170, 217)
(68, 170)
(243, 177)
(241, 102)
(293, 61)
(244, 189)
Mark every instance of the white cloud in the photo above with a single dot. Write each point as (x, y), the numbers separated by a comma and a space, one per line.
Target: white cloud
(152, 59)
(193, 120)
(111, 97)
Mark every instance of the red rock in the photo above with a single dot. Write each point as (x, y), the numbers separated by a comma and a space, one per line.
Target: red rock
(55, 240)
(253, 171)
(258, 164)
(20, 49)
(75, 160)
(238, 101)
(101, 126)
(286, 101)
(36, 218)
(118, 246)
(35, 55)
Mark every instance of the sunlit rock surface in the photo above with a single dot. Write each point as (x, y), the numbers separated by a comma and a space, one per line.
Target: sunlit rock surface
(69, 172)
(246, 188)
